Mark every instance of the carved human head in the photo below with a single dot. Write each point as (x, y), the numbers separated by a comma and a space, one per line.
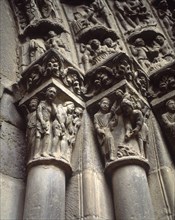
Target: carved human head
(105, 104)
(51, 93)
(69, 106)
(77, 15)
(160, 39)
(78, 112)
(95, 44)
(139, 42)
(52, 34)
(170, 105)
(108, 42)
(127, 106)
(33, 104)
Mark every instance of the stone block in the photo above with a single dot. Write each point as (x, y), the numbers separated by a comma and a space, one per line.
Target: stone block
(13, 151)
(12, 193)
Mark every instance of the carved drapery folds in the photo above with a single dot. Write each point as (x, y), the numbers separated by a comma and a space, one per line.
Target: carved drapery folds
(52, 128)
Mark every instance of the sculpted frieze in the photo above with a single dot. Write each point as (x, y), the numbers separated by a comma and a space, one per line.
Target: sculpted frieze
(52, 128)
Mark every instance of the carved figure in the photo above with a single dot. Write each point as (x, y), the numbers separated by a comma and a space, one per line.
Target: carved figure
(56, 42)
(102, 11)
(86, 50)
(126, 21)
(104, 122)
(47, 9)
(134, 120)
(36, 49)
(64, 117)
(111, 46)
(98, 51)
(165, 52)
(166, 15)
(168, 120)
(140, 51)
(31, 131)
(32, 11)
(45, 111)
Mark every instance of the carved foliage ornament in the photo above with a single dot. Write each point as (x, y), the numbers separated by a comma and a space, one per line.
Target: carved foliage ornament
(52, 65)
(117, 69)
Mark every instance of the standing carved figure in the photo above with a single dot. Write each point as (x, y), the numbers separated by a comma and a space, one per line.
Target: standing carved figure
(56, 42)
(47, 9)
(134, 120)
(168, 120)
(64, 117)
(36, 49)
(166, 15)
(32, 10)
(45, 112)
(31, 131)
(104, 122)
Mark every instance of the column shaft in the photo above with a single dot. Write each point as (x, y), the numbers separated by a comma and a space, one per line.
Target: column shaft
(45, 193)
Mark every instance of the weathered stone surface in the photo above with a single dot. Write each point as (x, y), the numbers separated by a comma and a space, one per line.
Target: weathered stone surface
(13, 151)
(12, 193)
(8, 36)
(45, 193)
(131, 179)
(9, 112)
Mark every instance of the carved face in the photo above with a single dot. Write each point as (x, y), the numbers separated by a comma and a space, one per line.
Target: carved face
(51, 93)
(33, 104)
(108, 42)
(105, 104)
(160, 39)
(95, 44)
(70, 108)
(171, 105)
(139, 42)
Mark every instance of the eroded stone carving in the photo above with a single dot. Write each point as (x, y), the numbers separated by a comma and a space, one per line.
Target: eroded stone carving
(168, 120)
(133, 14)
(134, 115)
(104, 122)
(52, 129)
(154, 54)
(167, 17)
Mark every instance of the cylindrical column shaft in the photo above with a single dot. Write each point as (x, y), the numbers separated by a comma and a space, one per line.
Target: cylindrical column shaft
(45, 193)
(131, 194)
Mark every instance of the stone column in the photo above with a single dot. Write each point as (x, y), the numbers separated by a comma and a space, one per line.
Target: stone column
(130, 189)
(45, 191)
(51, 134)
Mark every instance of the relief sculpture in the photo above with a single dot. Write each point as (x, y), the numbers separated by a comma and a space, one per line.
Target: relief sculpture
(130, 140)
(52, 129)
(168, 120)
